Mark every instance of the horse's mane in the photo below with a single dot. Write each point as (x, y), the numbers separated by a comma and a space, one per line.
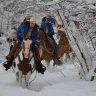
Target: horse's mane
(41, 29)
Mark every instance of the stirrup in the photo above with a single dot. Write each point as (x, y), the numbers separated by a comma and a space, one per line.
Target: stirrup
(5, 66)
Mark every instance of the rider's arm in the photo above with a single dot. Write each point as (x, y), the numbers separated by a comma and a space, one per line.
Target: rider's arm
(43, 25)
(18, 35)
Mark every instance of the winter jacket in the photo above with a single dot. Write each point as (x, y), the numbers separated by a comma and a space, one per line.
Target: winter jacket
(23, 29)
(51, 20)
(47, 26)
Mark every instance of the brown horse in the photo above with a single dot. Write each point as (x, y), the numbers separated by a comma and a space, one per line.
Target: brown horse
(64, 46)
(24, 62)
(47, 48)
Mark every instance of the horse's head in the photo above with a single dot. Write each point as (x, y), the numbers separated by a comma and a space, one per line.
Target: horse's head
(60, 26)
(41, 34)
(27, 42)
(61, 33)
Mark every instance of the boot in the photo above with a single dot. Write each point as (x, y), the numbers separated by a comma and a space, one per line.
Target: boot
(12, 51)
(40, 68)
(38, 65)
(9, 63)
(5, 65)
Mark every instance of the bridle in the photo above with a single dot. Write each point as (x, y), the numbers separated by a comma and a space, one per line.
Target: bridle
(23, 51)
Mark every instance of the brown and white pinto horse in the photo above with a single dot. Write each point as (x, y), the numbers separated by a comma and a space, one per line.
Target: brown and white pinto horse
(47, 48)
(23, 65)
(64, 46)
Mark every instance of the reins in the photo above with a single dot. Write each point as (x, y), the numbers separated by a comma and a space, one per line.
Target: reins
(45, 47)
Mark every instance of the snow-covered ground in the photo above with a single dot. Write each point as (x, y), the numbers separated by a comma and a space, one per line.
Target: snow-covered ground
(61, 81)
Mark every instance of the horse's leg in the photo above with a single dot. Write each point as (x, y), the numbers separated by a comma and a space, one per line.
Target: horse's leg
(15, 68)
(27, 77)
(20, 78)
(70, 55)
(48, 64)
(64, 58)
(73, 57)
(17, 76)
(67, 57)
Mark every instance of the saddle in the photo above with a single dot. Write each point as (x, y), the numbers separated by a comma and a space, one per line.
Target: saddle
(50, 41)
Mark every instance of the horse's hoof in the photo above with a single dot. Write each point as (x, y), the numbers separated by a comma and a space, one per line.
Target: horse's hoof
(57, 62)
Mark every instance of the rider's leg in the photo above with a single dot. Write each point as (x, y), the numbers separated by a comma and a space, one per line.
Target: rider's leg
(13, 50)
(39, 67)
(55, 54)
(55, 45)
(54, 42)
(11, 56)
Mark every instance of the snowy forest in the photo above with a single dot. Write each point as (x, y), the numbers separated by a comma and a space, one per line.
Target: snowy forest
(77, 75)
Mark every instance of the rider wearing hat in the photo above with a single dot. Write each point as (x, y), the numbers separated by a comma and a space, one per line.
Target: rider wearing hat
(31, 28)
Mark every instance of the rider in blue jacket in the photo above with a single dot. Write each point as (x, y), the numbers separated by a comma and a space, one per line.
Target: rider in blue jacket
(24, 29)
(32, 29)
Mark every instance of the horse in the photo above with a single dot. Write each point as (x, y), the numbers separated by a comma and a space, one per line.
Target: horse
(24, 61)
(64, 46)
(47, 47)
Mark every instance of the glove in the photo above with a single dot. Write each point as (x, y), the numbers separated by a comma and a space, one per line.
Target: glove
(21, 35)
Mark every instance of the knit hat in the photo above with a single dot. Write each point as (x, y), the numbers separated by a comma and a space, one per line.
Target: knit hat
(32, 20)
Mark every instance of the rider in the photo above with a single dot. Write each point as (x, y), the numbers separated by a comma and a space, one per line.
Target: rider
(29, 28)
(48, 28)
